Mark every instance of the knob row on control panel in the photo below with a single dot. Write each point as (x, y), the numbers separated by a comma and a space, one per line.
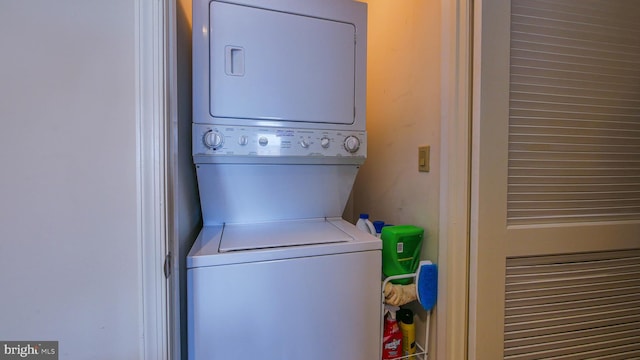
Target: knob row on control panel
(214, 140)
(254, 141)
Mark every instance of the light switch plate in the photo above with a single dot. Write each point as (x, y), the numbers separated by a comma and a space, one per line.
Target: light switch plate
(423, 158)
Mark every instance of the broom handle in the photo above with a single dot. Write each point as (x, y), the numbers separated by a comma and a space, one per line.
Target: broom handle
(426, 336)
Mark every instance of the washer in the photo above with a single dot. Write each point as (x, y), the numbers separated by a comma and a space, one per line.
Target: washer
(301, 289)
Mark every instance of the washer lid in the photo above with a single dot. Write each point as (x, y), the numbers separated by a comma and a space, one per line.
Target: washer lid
(205, 251)
(238, 237)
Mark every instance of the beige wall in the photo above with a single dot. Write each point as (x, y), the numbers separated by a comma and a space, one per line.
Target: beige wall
(403, 112)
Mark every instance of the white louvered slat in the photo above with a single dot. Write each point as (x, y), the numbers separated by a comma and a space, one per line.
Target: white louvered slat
(574, 116)
(573, 306)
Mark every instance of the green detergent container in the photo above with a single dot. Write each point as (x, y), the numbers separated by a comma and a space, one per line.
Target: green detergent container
(401, 246)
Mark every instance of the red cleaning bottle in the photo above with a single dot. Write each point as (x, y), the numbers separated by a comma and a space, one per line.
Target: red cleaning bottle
(392, 337)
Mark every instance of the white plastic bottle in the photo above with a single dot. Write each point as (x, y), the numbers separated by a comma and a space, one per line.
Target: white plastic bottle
(365, 225)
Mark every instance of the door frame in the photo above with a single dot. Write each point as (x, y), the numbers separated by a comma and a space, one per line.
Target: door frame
(153, 74)
(455, 180)
(153, 70)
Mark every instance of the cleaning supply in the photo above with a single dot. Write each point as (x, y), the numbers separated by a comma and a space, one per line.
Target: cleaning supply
(398, 295)
(378, 225)
(425, 290)
(392, 336)
(365, 224)
(408, 329)
(401, 245)
(427, 284)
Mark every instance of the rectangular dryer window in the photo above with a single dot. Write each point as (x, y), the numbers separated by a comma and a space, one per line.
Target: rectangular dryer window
(272, 65)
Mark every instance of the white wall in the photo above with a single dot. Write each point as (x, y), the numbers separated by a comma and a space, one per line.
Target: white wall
(403, 113)
(68, 227)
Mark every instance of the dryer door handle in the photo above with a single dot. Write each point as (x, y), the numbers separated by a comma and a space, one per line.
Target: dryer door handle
(234, 60)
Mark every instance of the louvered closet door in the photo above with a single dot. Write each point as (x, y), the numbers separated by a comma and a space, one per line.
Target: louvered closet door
(555, 207)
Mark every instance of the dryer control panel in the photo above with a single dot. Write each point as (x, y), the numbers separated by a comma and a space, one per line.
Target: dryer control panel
(248, 141)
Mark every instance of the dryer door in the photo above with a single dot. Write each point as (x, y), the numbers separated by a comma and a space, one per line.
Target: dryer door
(272, 65)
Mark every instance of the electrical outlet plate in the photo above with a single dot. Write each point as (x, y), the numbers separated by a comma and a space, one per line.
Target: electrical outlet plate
(423, 158)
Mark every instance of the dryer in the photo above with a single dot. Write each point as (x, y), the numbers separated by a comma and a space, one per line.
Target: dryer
(278, 138)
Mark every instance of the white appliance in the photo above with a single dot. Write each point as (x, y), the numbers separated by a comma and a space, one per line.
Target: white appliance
(278, 137)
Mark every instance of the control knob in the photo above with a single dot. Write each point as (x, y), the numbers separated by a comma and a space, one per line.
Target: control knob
(324, 142)
(304, 143)
(213, 139)
(351, 144)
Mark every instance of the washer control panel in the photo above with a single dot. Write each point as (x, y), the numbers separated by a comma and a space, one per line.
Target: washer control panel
(270, 141)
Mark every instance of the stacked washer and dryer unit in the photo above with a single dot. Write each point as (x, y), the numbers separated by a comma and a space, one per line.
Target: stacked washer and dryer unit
(278, 138)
